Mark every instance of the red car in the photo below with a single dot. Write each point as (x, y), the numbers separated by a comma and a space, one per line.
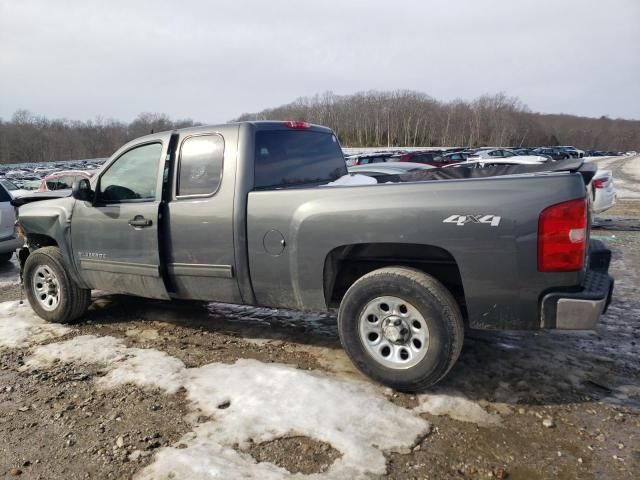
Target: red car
(62, 180)
(429, 157)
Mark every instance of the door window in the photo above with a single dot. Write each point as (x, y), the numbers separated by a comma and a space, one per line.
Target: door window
(201, 160)
(133, 176)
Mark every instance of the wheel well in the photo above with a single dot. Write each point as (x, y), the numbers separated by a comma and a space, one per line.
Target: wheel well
(344, 265)
(37, 240)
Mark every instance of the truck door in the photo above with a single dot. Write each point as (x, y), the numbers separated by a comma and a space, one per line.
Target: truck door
(115, 238)
(200, 249)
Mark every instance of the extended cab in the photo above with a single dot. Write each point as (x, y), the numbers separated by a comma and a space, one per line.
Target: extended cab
(241, 213)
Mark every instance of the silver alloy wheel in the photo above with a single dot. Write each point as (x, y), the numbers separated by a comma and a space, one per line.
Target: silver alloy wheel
(46, 288)
(394, 332)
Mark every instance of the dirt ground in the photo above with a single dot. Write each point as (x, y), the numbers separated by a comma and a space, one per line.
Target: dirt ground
(550, 405)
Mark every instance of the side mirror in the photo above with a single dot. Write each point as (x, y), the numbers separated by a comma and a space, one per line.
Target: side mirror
(81, 190)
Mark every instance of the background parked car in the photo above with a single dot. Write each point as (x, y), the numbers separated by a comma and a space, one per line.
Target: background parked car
(573, 151)
(62, 180)
(603, 191)
(456, 156)
(388, 168)
(503, 153)
(553, 152)
(435, 158)
(31, 185)
(524, 151)
(13, 189)
(493, 162)
(8, 240)
(368, 158)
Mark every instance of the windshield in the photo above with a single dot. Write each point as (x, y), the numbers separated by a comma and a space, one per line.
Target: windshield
(9, 185)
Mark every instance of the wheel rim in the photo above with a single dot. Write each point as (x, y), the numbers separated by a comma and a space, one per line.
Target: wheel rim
(394, 332)
(46, 288)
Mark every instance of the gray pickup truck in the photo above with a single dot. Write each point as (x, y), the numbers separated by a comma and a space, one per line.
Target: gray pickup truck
(241, 213)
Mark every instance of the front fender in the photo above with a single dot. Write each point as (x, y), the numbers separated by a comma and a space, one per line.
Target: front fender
(52, 219)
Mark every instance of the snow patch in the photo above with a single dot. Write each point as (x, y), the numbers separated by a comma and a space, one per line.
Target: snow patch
(456, 406)
(144, 367)
(20, 327)
(252, 401)
(350, 180)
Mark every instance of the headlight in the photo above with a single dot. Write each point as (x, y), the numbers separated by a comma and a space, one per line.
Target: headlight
(20, 231)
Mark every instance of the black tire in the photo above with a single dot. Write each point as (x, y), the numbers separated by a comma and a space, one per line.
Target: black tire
(433, 301)
(73, 300)
(5, 257)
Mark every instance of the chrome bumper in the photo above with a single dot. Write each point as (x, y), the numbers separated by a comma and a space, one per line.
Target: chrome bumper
(581, 309)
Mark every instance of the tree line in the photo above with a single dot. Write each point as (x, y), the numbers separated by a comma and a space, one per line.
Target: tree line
(409, 118)
(366, 119)
(32, 138)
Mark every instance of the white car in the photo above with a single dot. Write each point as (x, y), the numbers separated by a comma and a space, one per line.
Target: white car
(388, 168)
(13, 189)
(491, 162)
(503, 153)
(9, 242)
(604, 193)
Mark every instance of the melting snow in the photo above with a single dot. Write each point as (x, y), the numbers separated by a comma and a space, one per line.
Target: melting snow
(144, 367)
(265, 402)
(20, 327)
(457, 407)
(350, 180)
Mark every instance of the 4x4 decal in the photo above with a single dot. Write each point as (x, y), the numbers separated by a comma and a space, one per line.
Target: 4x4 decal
(461, 220)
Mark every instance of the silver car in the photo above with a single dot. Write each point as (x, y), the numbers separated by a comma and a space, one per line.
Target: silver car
(501, 153)
(388, 168)
(8, 240)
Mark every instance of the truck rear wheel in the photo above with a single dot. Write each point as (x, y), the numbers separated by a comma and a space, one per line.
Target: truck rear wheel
(52, 294)
(401, 327)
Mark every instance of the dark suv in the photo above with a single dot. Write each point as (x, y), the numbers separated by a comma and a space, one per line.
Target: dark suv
(554, 153)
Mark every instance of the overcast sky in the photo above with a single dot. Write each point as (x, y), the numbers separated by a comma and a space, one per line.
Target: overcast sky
(213, 60)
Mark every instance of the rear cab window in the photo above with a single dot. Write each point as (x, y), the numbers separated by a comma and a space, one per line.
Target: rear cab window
(285, 158)
(200, 167)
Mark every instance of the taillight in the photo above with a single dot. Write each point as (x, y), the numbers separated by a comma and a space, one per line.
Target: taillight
(297, 124)
(600, 182)
(562, 237)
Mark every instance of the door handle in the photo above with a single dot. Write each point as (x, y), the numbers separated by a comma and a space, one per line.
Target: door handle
(140, 222)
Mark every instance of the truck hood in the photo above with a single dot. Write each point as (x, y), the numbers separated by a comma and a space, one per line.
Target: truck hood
(38, 196)
(49, 218)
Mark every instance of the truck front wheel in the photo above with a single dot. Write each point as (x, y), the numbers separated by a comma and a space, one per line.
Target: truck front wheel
(401, 327)
(52, 294)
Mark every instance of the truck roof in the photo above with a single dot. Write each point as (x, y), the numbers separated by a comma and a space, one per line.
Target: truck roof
(257, 124)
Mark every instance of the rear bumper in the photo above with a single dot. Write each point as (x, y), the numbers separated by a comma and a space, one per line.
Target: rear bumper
(581, 310)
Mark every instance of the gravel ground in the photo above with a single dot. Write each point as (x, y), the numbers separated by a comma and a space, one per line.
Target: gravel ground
(560, 405)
